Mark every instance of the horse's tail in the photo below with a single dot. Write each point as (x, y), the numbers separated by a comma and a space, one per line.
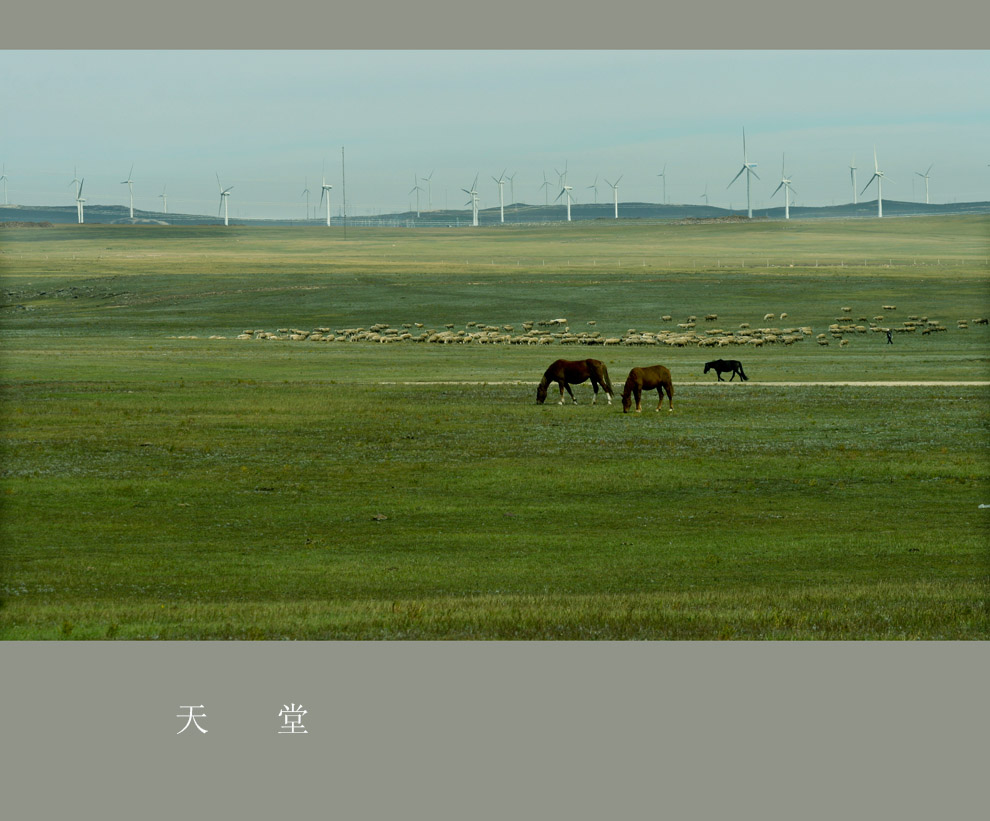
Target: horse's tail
(606, 381)
(742, 374)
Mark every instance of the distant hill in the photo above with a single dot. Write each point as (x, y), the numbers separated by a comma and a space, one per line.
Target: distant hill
(517, 213)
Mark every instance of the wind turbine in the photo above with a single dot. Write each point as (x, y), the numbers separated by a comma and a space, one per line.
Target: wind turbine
(747, 167)
(75, 180)
(417, 189)
(785, 183)
(305, 193)
(852, 177)
(615, 194)
(130, 187)
(566, 190)
(594, 185)
(705, 195)
(3, 179)
(512, 187)
(878, 176)
(224, 194)
(164, 200)
(429, 190)
(325, 192)
(473, 194)
(501, 199)
(546, 191)
(923, 176)
(663, 175)
(80, 201)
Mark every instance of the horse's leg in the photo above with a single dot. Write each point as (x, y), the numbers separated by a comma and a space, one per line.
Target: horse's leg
(733, 375)
(568, 386)
(670, 396)
(594, 386)
(719, 375)
(638, 393)
(562, 384)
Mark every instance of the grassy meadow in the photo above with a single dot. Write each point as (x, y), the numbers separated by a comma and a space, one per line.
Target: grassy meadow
(160, 486)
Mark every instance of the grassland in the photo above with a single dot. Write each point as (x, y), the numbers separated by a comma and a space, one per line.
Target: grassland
(158, 487)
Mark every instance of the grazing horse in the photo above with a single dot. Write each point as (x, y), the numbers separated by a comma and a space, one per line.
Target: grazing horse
(721, 366)
(566, 373)
(646, 379)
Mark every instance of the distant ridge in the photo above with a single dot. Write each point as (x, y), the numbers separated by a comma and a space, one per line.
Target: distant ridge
(517, 213)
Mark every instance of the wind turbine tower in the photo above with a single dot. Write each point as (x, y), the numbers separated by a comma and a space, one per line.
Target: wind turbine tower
(305, 193)
(501, 198)
(80, 201)
(923, 176)
(852, 178)
(224, 194)
(747, 168)
(164, 200)
(417, 189)
(473, 202)
(512, 187)
(705, 195)
(663, 176)
(878, 176)
(566, 190)
(325, 192)
(615, 194)
(546, 189)
(130, 187)
(785, 183)
(429, 191)
(594, 186)
(3, 179)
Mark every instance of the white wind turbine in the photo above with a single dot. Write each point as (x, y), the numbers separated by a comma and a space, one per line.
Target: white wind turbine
(878, 176)
(3, 179)
(473, 202)
(663, 175)
(566, 190)
(852, 178)
(130, 187)
(594, 186)
(925, 178)
(615, 194)
(224, 194)
(705, 195)
(785, 183)
(75, 181)
(305, 193)
(164, 200)
(512, 187)
(417, 189)
(501, 198)
(80, 201)
(546, 189)
(747, 167)
(325, 189)
(429, 191)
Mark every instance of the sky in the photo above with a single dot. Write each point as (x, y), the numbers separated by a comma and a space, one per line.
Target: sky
(272, 123)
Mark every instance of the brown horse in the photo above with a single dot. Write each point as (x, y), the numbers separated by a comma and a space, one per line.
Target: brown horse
(646, 379)
(566, 373)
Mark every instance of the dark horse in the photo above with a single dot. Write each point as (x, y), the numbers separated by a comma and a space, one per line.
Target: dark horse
(646, 379)
(566, 373)
(721, 366)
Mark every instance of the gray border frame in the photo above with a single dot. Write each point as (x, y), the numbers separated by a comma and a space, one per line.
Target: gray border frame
(496, 730)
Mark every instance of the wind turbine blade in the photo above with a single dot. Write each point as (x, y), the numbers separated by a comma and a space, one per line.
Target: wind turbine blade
(775, 190)
(562, 190)
(737, 176)
(81, 187)
(792, 189)
(929, 168)
(751, 171)
(874, 177)
(617, 181)
(219, 184)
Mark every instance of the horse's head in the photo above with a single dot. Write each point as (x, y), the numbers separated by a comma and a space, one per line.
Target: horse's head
(541, 392)
(708, 367)
(626, 399)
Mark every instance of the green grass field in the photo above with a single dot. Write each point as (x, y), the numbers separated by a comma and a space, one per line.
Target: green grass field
(174, 488)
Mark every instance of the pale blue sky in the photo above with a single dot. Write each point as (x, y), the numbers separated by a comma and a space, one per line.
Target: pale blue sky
(267, 121)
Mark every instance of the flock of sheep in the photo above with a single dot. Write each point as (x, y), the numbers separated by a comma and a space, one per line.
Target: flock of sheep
(559, 332)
